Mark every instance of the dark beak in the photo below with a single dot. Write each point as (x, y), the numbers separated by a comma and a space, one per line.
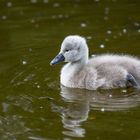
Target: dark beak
(57, 59)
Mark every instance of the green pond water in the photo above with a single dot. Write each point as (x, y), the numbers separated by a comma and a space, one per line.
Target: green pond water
(33, 105)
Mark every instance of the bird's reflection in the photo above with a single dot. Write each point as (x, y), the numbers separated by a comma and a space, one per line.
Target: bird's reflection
(80, 102)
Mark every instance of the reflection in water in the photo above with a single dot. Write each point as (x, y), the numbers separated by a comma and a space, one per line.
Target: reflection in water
(73, 115)
(81, 101)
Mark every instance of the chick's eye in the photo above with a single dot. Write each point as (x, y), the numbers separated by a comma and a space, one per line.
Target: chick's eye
(66, 50)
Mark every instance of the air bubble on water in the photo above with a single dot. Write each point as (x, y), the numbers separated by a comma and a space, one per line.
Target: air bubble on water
(89, 37)
(4, 17)
(30, 50)
(9, 4)
(136, 24)
(107, 11)
(106, 39)
(102, 46)
(93, 55)
(83, 25)
(93, 98)
(54, 17)
(25, 80)
(56, 5)
(124, 30)
(97, 0)
(124, 91)
(106, 18)
(102, 109)
(109, 32)
(33, 1)
(32, 20)
(24, 62)
(36, 83)
(110, 95)
(60, 16)
(45, 1)
(18, 83)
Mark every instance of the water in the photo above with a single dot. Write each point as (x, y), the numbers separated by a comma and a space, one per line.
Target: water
(33, 105)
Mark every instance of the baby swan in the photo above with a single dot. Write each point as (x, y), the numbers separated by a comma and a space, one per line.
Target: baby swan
(104, 71)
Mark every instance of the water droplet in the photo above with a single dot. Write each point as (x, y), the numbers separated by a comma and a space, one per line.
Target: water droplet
(38, 86)
(136, 24)
(60, 16)
(18, 83)
(32, 21)
(56, 5)
(109, 32)
(89, 37)
(110, 95)
(54, 17)
(106, 39)
(102, 46)
(138, 30)
(4, 17)
(24, 62)
(9, 4)
(124, 91)
(83, 25)
(45, 1)
(124, 30)
(33, 1)
(93, 55)
(30, 50)
(106, 18)
(106, 10)
(102, 109)
(25, 80)
(96, 0)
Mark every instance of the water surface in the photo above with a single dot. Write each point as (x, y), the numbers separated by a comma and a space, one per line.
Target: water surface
(33, 105)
